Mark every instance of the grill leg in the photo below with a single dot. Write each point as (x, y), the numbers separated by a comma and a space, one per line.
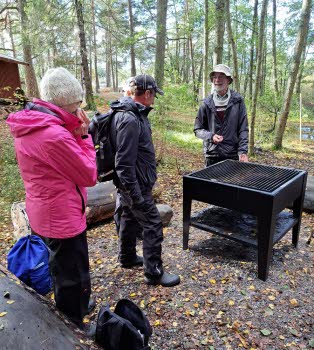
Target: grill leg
(187, 202)
(297, 213)
(266, 228)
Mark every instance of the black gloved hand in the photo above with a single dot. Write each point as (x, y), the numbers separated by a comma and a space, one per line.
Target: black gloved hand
(139, 204)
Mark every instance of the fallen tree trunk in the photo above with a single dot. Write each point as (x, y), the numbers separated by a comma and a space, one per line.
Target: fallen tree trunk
(101, 202)
(28, 321)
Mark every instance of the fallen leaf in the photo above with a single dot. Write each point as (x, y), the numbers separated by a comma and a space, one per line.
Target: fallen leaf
(231, 302)
(293, 302)
(293, 331)
(266, 332)
(10, 302)
(3, 314)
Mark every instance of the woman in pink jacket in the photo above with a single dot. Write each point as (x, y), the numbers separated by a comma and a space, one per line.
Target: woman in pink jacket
(57, 161)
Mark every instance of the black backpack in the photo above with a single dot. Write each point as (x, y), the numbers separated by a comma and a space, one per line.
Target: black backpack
(99, 129)
(127, 328)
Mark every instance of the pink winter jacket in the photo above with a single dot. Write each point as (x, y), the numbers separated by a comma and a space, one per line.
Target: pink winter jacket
(55, 167)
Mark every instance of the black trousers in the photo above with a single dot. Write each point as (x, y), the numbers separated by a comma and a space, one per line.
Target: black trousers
(129, 222)
(213, 160)
(69, 266)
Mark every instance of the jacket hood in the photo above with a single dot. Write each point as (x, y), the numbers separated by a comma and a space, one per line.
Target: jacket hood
(128, 104)
(125, 103)
(40, 114)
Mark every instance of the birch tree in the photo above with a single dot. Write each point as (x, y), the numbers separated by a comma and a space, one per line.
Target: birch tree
(233, 47)
(258, 73)
(298, 48)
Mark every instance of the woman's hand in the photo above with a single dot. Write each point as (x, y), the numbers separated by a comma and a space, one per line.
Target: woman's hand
(83, 129)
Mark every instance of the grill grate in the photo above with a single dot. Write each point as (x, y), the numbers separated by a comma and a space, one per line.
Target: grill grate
(255, 176)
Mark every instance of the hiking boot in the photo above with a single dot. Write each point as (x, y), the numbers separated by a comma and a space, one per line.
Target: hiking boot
(138, 261)
(89, 330)
(165, 280)
(139, 235)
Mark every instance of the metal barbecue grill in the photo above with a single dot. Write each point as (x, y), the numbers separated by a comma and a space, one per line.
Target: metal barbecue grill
(252, 198)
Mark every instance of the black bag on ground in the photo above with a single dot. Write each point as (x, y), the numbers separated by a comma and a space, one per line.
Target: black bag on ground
(127, 328)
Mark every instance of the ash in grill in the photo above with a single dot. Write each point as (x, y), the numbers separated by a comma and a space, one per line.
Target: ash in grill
(249, 175)
(261, 191)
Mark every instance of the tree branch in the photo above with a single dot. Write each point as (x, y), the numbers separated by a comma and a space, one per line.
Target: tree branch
(8, 8)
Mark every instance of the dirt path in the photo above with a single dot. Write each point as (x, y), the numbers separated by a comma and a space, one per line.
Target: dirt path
(220, 303)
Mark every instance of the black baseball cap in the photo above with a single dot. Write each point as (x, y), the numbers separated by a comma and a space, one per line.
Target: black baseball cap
(146, 82)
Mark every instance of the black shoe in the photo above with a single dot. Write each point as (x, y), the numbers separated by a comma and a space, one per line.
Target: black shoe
(139, 236)
(165, 280)
(89, 330)
(138, 261)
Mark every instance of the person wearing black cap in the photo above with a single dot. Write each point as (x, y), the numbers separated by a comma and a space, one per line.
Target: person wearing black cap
(136, 175)
(221, 121)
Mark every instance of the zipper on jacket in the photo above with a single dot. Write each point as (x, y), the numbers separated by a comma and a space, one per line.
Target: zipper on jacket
(83, 203)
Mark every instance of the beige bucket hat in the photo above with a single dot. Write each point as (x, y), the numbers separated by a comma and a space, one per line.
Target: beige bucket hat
(221, 68)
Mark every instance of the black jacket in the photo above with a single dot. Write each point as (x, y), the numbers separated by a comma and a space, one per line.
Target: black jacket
(234, 127)
(135, 154)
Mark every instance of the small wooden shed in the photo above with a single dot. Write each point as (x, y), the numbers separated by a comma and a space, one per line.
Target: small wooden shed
(9, 76)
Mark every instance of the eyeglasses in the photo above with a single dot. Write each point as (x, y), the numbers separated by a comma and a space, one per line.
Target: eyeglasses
(220, 76)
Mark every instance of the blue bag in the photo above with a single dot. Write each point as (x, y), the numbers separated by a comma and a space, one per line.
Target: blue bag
(28, 260)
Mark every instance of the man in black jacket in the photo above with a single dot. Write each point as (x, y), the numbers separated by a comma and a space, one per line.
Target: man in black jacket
(135, 167)
(221, 121)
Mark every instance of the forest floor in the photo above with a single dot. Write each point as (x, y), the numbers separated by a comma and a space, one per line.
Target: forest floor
(220, 303)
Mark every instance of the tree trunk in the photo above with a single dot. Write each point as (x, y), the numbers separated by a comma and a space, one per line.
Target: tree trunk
(95, 49)
(112, 69)
(90, 42)
(205, 55)
(300, 73)
(11, 35)
(263, 70)
(274, 50)
(108, 60)
(233, 47)
(116, 65)
(258, 72)
(299, 47)
(87, 81)
(220, 30)
(161, 41)
(132, 46)
(253, 41)
(30, 77)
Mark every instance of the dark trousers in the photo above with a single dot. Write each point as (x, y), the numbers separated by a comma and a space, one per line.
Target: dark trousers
(213, 160)
(133, 221)
(117, 218)
(69, 267)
